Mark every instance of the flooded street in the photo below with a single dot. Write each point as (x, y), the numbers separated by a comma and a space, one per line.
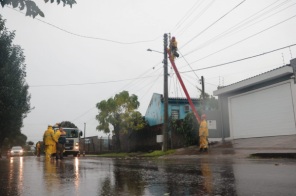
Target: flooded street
(103, 176)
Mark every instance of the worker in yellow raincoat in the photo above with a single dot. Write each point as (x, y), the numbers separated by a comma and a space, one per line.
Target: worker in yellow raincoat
(203, 134)
(173, 48)
(60, 138)
(38, 148)
(49, 142)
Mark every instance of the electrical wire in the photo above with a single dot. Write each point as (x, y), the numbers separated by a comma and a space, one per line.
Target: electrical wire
(213, 23)
(155, 81)
(90, 83)
(193, 70)
(95, 106)
(91, 37)
(199, 14)
(188, 14)
(146, 72)
(83, 114)
(188, 64)
(246, 58)
(238, 27)
(148, 83)
(245, 39)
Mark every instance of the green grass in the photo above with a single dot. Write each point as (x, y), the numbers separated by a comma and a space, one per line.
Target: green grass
(114, 155)
(156, 153)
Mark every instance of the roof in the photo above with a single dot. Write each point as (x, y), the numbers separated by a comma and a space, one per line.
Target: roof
(175, 99)
(267, 76)
(182, 98)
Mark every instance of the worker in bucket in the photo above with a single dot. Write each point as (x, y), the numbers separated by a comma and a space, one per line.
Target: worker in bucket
(174, 47)
(203, 134)
(49, 142)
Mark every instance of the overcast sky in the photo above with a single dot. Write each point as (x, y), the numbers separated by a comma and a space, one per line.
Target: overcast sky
(78, 57)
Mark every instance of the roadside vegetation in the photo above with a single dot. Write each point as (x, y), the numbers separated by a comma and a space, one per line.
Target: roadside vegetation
(154, 154)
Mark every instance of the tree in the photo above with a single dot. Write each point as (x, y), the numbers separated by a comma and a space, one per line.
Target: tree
(210, 101)
(14, 96)
(120, 112)
(32, 9)
(187, 128)
(68, 124)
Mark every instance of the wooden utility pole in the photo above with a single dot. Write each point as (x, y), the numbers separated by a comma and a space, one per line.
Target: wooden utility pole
(84, 140)
(165, 95)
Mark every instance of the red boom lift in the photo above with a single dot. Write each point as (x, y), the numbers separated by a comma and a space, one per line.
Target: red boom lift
(183, 86)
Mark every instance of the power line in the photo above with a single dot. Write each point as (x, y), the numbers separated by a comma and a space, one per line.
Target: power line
(195, 18)
(246, 58)
(140, 76)
(188, 13)
(214, 23)
(192, 70)
(91, 83)
(151, 85)
(244, 39)
(239, 26)
(83, 114)
(188, 64)
(90, 37)
(145, 83)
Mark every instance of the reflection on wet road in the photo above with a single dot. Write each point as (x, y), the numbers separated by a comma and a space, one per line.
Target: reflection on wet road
(102, 176)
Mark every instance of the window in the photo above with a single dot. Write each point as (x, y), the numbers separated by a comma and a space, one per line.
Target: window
(186, 108)
(175, 114)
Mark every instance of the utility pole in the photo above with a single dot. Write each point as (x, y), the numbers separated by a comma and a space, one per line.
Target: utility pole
(84, 139)
(165, 95)
(203, 93)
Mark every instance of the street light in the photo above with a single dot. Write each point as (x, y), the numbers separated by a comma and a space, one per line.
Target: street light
(150, 50)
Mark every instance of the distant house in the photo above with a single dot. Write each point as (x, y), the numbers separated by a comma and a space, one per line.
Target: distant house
(264, 105)
(177, 109)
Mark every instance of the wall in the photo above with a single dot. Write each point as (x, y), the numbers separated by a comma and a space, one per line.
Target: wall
(154, 112)
(95, 145)
(223, 101)
(214, 124)
(142, 140)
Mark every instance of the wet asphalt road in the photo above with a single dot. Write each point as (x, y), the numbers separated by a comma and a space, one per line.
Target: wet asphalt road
(102, 176)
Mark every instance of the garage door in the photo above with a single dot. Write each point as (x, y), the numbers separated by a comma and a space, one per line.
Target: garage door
(267, 112)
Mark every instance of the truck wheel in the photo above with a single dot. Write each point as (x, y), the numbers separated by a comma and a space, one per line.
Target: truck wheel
(75, 154)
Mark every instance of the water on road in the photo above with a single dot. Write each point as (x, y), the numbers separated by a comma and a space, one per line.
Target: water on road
(102, 176)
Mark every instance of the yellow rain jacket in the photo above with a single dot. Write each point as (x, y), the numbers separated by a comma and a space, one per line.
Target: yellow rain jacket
(48, 137)
(203, 128)
(57, 136)
(49, 142)
(173, 44)
(203, 134)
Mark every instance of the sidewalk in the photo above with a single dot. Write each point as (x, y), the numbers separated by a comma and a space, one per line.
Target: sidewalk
(271, 147)
(267, 147)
